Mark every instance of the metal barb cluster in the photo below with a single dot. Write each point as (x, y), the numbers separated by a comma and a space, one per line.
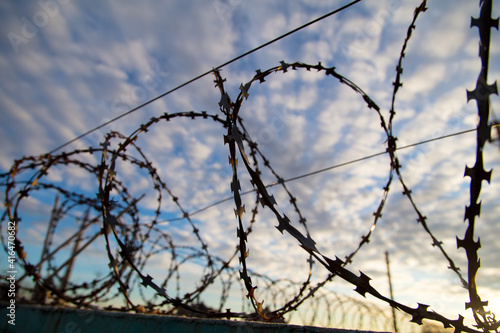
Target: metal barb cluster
(477, 174)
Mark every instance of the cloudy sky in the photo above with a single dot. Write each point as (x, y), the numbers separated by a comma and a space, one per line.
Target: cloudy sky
(69, 66)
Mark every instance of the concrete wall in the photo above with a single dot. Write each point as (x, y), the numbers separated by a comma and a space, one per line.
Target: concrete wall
(42, 319)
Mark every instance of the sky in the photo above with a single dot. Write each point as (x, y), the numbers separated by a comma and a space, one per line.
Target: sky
(69, 66)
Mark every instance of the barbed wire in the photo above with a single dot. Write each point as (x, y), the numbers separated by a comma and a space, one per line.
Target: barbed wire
(312, 173)
(484, 319)
(112, 219)
(338, 10)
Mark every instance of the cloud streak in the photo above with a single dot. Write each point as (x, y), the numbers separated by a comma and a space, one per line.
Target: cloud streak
(86, 63)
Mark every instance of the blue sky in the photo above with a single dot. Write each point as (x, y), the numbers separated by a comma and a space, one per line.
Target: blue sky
(69, 66)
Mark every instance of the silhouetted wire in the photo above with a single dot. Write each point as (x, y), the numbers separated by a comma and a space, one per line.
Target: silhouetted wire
(135, 255)
(325, 169)
(204, 74)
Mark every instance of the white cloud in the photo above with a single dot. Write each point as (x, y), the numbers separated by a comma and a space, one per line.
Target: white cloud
(425, 79)
(301, 100)
(272, 28)
(93, 61)
(316, 51)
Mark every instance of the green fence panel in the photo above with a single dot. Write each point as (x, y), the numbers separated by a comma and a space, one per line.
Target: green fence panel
(44, 319)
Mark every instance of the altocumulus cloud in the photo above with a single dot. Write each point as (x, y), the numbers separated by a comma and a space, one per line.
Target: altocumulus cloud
(69, 66)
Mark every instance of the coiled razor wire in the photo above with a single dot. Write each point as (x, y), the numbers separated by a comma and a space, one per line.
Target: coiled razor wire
(113, 218)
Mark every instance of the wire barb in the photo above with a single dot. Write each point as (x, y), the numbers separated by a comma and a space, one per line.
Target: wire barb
(113, 214)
